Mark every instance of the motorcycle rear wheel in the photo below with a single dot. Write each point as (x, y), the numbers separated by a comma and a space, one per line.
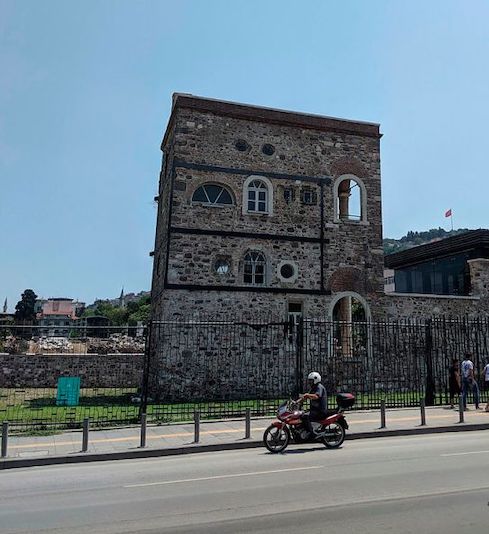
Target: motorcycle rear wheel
(276, 439)
(336, 440)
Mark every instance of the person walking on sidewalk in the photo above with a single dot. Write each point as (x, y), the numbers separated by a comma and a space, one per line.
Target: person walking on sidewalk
(469, 381)
(454, 380)
(485, 374)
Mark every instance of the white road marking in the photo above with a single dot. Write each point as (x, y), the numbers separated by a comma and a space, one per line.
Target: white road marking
(223, 476)
(463, 453)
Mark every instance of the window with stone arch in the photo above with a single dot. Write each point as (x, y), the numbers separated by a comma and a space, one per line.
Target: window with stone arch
(254, 271)
(258, 195)
(212, 195)
(350, 199)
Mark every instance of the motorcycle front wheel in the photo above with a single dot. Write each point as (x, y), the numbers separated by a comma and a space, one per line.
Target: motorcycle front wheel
(276, 439)
(335, 436)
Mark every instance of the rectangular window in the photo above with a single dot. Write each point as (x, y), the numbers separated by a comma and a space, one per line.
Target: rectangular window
(288, 195)
(308, 196)
(262, 206)
(251, 205)
(294, 316)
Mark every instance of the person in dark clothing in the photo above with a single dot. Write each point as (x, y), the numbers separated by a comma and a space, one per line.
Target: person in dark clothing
(454, 385)
(319, 401)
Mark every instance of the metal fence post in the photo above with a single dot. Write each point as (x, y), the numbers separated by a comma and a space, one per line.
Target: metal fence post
(86, 427)
(423, 412)
(299, 355)
(4, 438)
(248, 423)
(142, 442)
(461, 409)
(143, 407)
(196, 427)
(430, 383)
(382, 414)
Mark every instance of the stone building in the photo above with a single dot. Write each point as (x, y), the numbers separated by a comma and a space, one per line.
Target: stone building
(271, 213)
(265, 213)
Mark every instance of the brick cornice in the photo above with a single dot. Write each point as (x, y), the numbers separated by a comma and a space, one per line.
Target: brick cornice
(272, 116)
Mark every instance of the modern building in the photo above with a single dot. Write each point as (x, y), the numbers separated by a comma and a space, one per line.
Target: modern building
(441, 267)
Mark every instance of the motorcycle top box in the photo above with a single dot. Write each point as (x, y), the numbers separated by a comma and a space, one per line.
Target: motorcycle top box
(345, 400)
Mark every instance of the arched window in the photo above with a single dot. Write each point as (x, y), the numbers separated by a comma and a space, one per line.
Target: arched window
(350, 199)
(254, 268)
(258, 196)
(212, 194)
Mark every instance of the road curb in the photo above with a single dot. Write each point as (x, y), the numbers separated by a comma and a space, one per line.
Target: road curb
(194, 449)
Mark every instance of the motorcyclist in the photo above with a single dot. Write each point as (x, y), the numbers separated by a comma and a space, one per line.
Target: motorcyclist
(319, 402)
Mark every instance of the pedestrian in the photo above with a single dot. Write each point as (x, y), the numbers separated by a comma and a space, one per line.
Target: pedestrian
(485, 374)
(469, 381)
(454, 380)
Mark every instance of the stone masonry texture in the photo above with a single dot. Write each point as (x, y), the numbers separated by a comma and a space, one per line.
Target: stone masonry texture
(95, 370)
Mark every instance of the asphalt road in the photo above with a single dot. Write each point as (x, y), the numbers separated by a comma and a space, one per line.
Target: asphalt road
(421, 484)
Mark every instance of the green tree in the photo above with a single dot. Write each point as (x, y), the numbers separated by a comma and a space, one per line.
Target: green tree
(130, 315)
(24, 309)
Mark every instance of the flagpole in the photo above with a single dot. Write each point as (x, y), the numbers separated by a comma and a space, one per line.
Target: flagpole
(451, 220)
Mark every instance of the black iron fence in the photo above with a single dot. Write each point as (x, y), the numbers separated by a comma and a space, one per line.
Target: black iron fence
(222, 368)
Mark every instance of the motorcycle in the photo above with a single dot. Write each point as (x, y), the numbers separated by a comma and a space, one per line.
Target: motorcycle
(290, 426)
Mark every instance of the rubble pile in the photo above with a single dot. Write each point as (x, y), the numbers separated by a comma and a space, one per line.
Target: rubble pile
(13, 345)
(116, 343)
(57, 345)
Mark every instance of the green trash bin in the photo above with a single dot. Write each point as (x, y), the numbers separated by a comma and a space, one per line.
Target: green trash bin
(68, 391)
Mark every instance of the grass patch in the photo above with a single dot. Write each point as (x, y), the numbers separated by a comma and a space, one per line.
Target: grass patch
(34, 410)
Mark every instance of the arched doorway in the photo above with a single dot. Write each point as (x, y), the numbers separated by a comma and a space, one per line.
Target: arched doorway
(350, 315)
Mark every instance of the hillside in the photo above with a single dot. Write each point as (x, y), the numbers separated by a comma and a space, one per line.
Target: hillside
(412, 239)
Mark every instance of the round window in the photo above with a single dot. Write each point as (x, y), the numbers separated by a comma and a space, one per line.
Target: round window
(222, 266)
(268, 149)
(241, 145)
(287, 270)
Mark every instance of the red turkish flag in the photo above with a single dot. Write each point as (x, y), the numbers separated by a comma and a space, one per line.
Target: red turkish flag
(448, 213)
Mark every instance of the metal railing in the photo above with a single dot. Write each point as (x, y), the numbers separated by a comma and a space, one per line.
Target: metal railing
(225, 368)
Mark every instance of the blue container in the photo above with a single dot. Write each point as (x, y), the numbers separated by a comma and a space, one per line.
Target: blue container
(68, 391)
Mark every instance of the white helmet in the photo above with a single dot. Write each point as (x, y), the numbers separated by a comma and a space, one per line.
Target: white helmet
(315, 377)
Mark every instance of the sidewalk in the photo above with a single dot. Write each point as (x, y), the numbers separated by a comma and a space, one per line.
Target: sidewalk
(179, 438)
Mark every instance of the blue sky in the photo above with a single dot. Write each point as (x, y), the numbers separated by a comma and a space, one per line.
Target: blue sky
(85, 93)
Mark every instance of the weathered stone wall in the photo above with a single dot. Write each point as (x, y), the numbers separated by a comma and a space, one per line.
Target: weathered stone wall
(164, 199)
(192, 260)
(95, 370)
(396, 306)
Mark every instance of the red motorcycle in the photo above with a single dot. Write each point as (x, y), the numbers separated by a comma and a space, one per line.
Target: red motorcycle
(330, 431)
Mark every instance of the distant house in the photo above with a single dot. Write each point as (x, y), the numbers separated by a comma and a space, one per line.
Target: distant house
(57, 315)
(441, 267)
